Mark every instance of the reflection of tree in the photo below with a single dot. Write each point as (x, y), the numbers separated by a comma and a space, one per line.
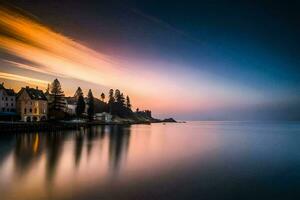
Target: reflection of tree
(118, 145)
(78, 147)
(54, 143)
(27, 149)
(102, 131)
(91, 135)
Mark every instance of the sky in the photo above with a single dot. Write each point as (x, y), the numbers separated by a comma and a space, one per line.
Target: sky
(191, 60)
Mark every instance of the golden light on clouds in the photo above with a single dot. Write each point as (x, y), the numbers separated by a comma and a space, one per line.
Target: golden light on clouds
(23, 79)
(53, 52)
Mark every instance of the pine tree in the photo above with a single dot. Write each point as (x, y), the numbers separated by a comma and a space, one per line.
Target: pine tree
(58, 102)
(102, 96)
(121, 100)
(117, 95)
(80, 107)
(111, 100)
(111, 96)
(128, 104)
(91, 106)
(78, 93)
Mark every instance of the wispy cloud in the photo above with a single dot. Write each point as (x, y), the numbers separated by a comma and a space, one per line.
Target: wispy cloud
(25, 79)
(32, 68)
(51, 52)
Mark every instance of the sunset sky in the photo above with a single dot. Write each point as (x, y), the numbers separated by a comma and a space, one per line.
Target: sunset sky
(208, 60)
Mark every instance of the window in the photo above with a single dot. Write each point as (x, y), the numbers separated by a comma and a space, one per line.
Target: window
(7, 109)
(11, 99)
(5, 98)
(30, 110)
(6, 104)
(12, 104)
(35, 110)
(25, 110)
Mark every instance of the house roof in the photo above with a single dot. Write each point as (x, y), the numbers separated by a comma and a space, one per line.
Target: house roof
(9, 92)
(34, 94)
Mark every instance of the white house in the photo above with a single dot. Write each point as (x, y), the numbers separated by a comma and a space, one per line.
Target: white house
(7, 99)
(106, 117)
(71, 104)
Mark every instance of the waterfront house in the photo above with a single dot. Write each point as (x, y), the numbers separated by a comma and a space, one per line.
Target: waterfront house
(32, 105)
(71, 103)
(104, 116)
(7, 104)
(7, 100)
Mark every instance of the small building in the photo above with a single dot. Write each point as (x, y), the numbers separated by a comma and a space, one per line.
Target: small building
(71, 104)
(7, 100)
(32, 105)
(104, 116)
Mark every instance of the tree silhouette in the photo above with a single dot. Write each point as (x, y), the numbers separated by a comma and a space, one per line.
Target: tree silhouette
(117, 95)
(128, 104)
(57, 103)
(102, 96)
(78, 93)
(80, 107)
(111, 100)
(90, 103)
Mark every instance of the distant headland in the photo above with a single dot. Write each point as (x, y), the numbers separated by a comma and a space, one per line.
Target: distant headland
(34, 106)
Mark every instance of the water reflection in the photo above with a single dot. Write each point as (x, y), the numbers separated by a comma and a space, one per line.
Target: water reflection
(208, 159)
(28, 148)
(118, 146)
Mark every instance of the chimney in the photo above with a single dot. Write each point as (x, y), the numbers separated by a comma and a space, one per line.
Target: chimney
(27, 87)
(37, 87)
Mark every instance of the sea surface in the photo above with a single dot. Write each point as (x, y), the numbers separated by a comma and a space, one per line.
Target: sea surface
(193, 160)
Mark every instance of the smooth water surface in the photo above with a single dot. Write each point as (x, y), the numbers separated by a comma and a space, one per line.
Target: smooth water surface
(194, 160)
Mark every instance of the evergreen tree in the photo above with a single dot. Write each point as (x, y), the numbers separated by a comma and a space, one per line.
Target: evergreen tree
(102, 96)
(111, 100)
(58, 102)
(128, 104)
(117, 95)
(121, 101)
(80, 107)
(111, 96)
(90, 103)
(78, 93)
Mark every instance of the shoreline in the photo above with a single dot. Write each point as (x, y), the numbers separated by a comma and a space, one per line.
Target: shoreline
(27, 127)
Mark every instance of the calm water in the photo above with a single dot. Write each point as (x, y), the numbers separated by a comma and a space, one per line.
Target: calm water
(196, 160)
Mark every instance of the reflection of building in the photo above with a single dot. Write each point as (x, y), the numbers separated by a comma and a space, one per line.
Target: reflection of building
(7, 100)
(106, 117)
(32, 104)
(28, 149)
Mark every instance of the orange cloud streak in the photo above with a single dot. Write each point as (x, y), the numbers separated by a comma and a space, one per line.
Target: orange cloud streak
(25, 79)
